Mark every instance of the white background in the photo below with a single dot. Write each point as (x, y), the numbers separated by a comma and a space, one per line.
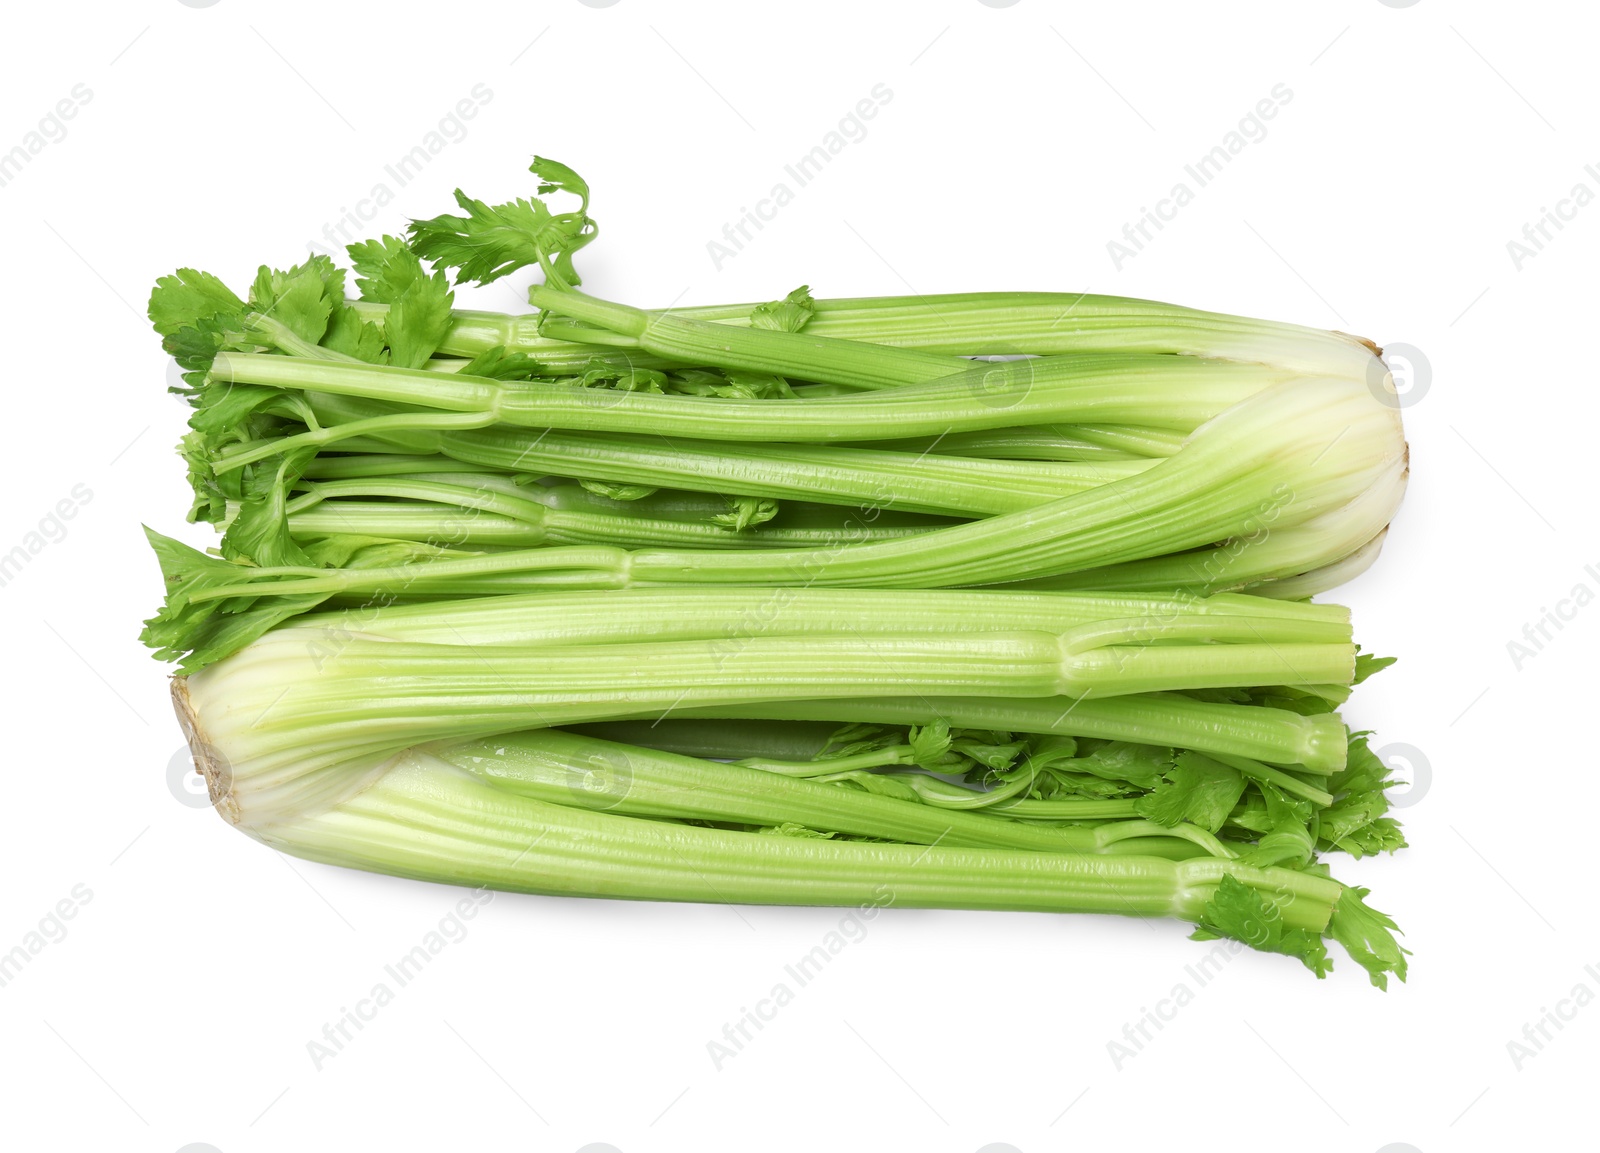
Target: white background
(178, 1006)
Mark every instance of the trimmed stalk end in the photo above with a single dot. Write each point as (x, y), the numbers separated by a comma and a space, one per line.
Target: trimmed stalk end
(208, 762)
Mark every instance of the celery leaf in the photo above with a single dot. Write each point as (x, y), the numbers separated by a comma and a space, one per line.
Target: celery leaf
(1198, 790)
(1239, 912)
(1368, 936)
(790, 314)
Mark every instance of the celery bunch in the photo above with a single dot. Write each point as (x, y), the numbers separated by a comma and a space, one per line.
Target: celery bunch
(1023, 634)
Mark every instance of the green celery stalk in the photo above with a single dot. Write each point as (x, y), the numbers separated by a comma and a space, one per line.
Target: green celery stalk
(922, 481)
(811, 355)
(1082, 442)
(1177, 393)
(967, 324)
(1095, 630)
(1322, 552)
(1261, 466)
(294, 704)
(451, 527)
(720, 739)
(927, 483)
(796, 525)
(568, 617)
(567, 768)
(425, 819)
(1316, 743)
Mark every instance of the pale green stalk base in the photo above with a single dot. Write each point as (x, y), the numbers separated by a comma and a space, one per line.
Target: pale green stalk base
(424, 819)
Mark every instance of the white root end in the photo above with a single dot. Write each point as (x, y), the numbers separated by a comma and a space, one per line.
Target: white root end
(208, 762)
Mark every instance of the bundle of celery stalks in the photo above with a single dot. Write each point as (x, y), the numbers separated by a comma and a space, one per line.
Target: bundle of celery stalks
(995, 601)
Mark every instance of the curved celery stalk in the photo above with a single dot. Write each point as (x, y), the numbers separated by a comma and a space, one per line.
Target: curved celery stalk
(1320, 580)
(425, 819)
(422, 818)
(412, 815)
(1269, 462)
(1334, 545)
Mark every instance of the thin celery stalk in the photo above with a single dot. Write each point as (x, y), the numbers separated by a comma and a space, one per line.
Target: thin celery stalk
(1066, 442)
(965, 324)
(920, 481)
(447, 527)
(567, 768)
(796, 525)
(1161, 391)
(810, 355)
(1278, 737)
